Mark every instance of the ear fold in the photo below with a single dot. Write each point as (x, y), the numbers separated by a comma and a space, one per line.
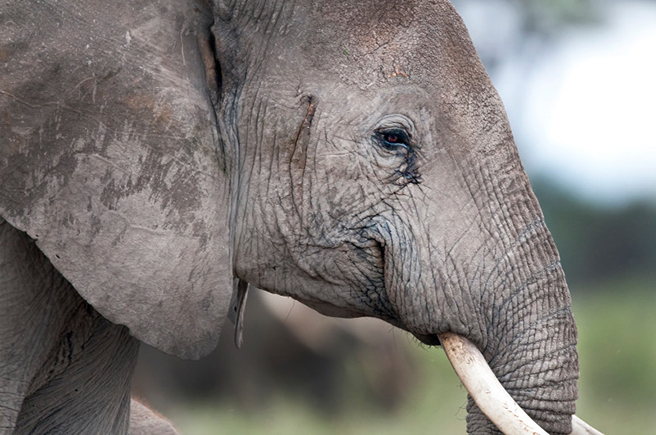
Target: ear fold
(109, 159)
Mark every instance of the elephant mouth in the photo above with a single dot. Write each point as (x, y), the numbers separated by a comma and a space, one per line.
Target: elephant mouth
(428, 339)
(488, 393)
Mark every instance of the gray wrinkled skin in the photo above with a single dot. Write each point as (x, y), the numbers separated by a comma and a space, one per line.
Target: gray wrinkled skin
(354, 156)
(57, 352)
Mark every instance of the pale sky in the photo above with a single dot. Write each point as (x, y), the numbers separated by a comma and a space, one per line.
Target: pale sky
(585, 114)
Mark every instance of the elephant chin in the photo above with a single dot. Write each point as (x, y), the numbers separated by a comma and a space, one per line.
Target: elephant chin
(488, 393)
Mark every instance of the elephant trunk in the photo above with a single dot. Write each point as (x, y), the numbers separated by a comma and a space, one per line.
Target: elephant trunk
(531, 339)
(516, 308)
(499, 283)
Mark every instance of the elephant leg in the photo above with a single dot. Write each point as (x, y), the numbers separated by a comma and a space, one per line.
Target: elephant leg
(59, 356)
(145, 421)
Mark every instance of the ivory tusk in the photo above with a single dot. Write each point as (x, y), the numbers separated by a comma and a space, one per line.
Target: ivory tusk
(484, 387)
(488, 393)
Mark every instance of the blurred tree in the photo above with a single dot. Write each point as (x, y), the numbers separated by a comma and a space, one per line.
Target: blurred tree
(502, 29)
(519, 33)
(600, 243)
(547, 16)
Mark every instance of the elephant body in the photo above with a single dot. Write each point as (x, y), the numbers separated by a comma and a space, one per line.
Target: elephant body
(356, 158)
(58, 354)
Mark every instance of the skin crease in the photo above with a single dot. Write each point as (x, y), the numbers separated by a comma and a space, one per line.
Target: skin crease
(353, 156)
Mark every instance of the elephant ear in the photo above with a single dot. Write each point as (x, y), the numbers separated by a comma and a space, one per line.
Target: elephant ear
(110, 160)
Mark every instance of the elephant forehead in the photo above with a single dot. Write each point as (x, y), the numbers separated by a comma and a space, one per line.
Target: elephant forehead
(419, 42)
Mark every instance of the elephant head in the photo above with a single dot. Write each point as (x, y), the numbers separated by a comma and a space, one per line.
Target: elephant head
(387, 184)
(353, 156)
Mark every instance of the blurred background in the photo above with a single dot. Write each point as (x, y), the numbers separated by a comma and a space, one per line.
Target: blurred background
(578, 78)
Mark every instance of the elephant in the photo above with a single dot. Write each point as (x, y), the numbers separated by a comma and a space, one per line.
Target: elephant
(158, 157)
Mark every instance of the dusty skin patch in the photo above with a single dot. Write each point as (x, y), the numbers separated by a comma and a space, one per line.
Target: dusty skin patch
(5, 54)
(163, 116)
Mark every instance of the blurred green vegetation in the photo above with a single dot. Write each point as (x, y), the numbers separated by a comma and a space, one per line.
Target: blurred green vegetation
(600, 243)
(618, 357)
(436, 405)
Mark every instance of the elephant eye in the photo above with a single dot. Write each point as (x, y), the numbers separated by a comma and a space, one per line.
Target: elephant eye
(393, 139)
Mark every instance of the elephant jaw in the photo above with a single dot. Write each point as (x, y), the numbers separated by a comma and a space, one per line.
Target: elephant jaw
(488, 393)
